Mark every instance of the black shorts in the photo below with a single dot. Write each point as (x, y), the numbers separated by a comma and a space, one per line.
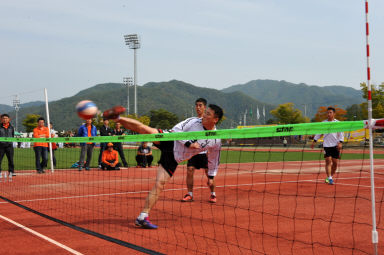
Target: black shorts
(331, 152)
(198, 161)
(167, 158)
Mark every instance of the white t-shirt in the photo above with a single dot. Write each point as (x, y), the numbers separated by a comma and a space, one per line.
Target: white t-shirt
(331, 139)
(212, 146)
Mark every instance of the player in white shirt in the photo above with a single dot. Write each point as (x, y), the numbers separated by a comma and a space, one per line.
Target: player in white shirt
(174, 152)
(332, 145)
(199, 161)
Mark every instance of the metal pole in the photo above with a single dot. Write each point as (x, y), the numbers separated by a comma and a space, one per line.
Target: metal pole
(135, 79)
(49, 127)
(375, 236)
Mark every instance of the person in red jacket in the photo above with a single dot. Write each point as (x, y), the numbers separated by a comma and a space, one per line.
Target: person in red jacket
(110, 159)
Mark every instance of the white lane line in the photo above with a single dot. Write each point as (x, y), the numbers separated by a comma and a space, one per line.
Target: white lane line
(41, 236)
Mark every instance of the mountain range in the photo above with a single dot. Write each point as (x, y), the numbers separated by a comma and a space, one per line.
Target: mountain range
(178, 97)
(305, 97)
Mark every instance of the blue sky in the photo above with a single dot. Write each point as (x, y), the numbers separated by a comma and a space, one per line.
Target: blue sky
(67, 46)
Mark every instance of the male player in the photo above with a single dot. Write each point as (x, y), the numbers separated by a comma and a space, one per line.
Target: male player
(174, 152)
(7, 130)
(199, 161)
(332, 144)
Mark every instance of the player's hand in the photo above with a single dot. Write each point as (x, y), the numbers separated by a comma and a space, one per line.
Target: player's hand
(339, 146)
(194, 145)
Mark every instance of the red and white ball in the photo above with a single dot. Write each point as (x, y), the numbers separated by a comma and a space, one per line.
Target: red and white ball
(86, 109)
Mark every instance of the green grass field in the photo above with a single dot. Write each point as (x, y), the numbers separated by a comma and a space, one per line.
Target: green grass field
(24, 159)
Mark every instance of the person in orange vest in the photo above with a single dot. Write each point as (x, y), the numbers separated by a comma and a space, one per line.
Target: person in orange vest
(41, 149)
(110, 159)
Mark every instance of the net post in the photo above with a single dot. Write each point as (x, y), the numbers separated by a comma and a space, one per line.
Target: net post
(49, 127)
(375, 236)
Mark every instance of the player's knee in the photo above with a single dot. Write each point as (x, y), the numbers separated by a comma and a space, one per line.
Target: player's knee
(190, 170)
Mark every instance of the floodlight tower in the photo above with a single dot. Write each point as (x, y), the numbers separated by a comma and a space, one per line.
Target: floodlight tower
(128, 81)
(133, 42)
(16, 104)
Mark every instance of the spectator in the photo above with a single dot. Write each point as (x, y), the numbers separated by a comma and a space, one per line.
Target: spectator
(54, 145)
(41, 149)
(7, 130)
(118, 146)
(110, 158)
(105, 130)
(86, 130)
(144, 155)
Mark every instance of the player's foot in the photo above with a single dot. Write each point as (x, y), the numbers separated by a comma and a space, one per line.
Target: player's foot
(330, 182)
(80, 168)
(212, 199)
(145, 223)
(327, 180)
(87, 168)
(114, 112)
(187, 198)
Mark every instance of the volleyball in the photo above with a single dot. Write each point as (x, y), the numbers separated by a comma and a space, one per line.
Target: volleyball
(86, 109)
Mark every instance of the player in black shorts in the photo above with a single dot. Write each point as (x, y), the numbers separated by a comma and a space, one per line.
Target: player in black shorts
(174, 152)
(332, 144)
(199, 161)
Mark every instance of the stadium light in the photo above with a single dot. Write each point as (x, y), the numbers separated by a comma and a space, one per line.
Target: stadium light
(133, 42)
(128, 81)
(16, 104)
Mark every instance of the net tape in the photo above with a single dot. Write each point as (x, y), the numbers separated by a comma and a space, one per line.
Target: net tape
(256, 132)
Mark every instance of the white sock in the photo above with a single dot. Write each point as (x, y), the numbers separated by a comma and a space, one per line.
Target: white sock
(213, 193)
(190, 193)
(330, 178)
(142, 216)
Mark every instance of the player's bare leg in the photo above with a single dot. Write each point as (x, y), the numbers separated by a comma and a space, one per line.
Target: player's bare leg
(162, 178)
(212, 186)
(190, 174)
(334, 166)
(189, 196)
(328, 165)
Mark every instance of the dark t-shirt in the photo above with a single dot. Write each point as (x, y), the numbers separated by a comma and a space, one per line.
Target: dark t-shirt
(145, 150)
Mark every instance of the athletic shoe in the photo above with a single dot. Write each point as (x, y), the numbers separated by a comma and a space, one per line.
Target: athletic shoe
(87, 168)
(117, 168)
(80, 169)
(114, 112)
(330, 182)
(187, 198)
(212, 199)
(145, 223)
(327, 180)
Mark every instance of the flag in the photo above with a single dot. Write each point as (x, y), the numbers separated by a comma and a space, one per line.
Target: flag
(264, 111)
(257, 113)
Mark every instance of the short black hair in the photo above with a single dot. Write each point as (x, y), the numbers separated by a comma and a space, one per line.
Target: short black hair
(4, 115)
(201, 100)
(218, 111)
(40, 118)
(331, 108)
